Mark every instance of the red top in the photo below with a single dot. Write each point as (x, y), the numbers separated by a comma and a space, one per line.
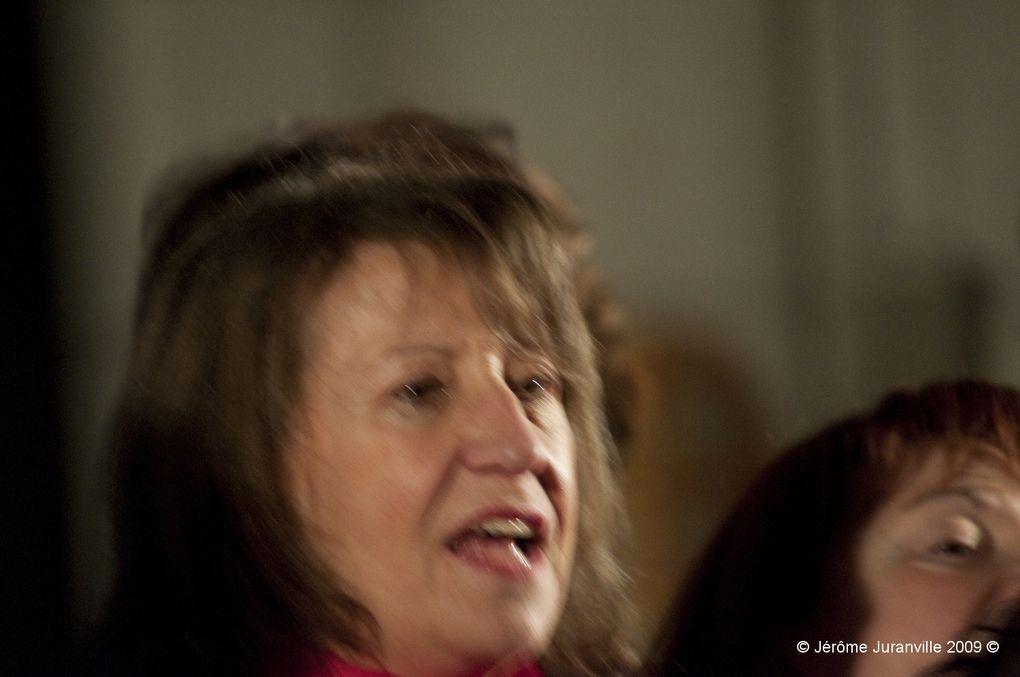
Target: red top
(330, 665)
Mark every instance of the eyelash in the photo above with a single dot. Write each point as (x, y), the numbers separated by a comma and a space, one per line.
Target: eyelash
(421, 392)
(536, 387)
(959, 550)
(953, 548)
(427, 391)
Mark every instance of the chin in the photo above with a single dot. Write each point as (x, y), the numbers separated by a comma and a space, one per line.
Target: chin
(510, 638)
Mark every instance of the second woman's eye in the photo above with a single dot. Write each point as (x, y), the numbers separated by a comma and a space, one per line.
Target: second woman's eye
(953, 548)
(962, 541)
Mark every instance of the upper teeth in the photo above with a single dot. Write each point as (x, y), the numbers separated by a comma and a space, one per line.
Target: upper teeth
(502, 527)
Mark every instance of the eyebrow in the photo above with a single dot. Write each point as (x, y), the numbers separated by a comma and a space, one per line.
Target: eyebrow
(403, 350)
(513, 346)
(969, 494)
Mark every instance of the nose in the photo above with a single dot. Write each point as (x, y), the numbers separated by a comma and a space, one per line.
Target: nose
(498, 435)
(1003, 598)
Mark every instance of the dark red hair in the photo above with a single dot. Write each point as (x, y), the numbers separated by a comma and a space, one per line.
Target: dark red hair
(776, 572)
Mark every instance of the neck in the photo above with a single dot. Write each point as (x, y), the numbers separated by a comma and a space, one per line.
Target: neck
(332, 665)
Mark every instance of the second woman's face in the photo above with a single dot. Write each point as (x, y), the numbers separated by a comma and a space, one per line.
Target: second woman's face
(433, 466)
(940, 558)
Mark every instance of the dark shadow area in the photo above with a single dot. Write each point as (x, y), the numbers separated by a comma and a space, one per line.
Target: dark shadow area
(35, 596)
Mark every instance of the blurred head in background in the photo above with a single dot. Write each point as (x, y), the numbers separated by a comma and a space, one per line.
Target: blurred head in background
(896, 526)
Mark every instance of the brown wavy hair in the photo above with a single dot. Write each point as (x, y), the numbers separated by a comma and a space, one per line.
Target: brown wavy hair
(213, 572)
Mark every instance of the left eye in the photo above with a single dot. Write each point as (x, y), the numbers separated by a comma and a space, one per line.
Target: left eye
(535, 387)
(954, 548)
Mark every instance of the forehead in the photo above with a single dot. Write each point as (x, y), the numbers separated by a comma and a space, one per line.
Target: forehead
(413, 281)
(386, 285)
(408, 285)
(386, 273)
(976, 466)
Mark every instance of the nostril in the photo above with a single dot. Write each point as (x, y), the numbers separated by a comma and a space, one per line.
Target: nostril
(1007, 592)
(999, 606)
(547, 480)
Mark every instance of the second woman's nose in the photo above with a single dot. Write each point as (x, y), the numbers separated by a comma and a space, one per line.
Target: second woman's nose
(1004, 597)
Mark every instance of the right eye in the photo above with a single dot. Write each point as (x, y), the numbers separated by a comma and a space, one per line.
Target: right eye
(961, 541)
(953, 548)
(420, 393)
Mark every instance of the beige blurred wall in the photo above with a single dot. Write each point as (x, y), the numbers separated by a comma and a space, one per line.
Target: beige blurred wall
(826, 192)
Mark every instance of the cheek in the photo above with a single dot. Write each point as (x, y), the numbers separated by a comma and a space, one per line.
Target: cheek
(321, 495)
(340, 493)
(562, 444)
(570, 497)
(917, 604)
(383, 493)
(360, 514)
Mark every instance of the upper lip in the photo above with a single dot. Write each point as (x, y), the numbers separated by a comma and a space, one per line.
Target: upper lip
(534, 518)
(960, 661)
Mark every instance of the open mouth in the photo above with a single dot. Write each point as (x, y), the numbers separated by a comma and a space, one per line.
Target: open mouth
(521, 535)
(962, 663)
(509, 545)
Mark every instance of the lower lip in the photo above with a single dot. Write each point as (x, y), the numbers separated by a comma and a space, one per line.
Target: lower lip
(499, 560)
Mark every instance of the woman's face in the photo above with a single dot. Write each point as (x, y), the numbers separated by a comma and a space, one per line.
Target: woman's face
(434, 466)
(937, 559)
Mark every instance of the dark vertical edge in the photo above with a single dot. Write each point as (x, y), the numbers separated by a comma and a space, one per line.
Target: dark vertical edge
(35, 582)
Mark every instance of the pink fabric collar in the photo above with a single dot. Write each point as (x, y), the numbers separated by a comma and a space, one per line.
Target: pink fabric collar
(330, 665)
